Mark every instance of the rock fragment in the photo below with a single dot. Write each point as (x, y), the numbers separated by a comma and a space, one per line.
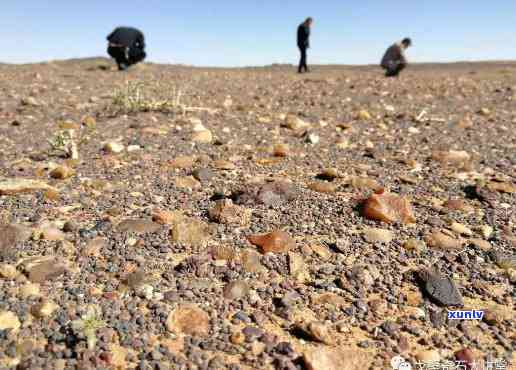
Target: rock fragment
(389, 208)
(274, 242)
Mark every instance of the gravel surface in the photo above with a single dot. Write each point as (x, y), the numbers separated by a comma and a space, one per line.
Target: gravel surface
(181, 218)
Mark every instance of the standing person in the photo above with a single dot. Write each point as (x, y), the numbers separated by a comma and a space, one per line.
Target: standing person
(126, 45)
(394, 60)
(303, 42)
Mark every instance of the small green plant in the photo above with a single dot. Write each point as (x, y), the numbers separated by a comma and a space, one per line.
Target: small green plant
(64, 143)
(89, 324)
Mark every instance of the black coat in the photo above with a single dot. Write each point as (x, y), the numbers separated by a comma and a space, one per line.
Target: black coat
(393, 56)
(127, 36)
(303, 36)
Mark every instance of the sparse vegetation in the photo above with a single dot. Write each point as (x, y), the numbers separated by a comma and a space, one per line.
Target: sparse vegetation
(88, 325)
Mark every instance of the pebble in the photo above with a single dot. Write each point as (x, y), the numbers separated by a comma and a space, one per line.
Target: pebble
(387, 207)
(9, 320)
(44, 309)
(274, 242)
(189, 320)
(374, 235)
(236, 290)
(439, 240)
(191, 232)
(323, 187)
(225, 212)
(114, 147)
(62, 172)
(203, 174)
(18, 186)
(441, 288)
(138, 226)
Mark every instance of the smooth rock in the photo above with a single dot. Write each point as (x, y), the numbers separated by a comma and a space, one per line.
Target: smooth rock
(188, 320)
(374, 235)
(323, 187)
(138, 226)
(225, 212)
(114, 147)
(274, 242)
(42, 269)
(62, 172)
(187, 182)
(191, 232)
(236, 290)
(440, 288)
(18, 186)
(9, 320)
(439, 240)
(389, 208)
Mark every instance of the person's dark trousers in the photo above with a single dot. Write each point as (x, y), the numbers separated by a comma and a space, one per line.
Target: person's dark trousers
(119, 54)
(302, 61)
(394, 69)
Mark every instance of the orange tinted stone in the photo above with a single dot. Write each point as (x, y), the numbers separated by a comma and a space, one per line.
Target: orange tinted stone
(387, 207)
(275, 242)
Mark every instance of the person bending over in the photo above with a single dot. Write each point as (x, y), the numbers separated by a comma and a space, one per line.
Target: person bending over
(303, 43)
(394, 60)
(127, 46)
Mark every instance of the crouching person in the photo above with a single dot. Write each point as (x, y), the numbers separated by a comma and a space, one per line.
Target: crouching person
(394, 60)
(127, 46)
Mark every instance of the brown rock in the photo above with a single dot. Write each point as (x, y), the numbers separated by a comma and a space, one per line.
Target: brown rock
(10, 236)
(44, 309)
(42, 269)
(317, 331)
(138, 226)
(251, 261)
(467, 358)
(365, 183)
(387, 207)
(327, 358)
(190, 232)
(187, 182)
(9, 320)
(274, 242)
(18, 186)
(440, 240)
(62, 172)
(182, 162)
(323, 187)
(221, 164)
(295, 123)
(236, 290)
(374, 235)
(297, 267)
(414, 245)
(503, 187)
(281, 150)
(225, 212)
(452, 157)
(167, 217)
(89, 122)
(189, 320)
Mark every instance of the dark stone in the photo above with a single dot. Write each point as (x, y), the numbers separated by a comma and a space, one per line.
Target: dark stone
(441, 289)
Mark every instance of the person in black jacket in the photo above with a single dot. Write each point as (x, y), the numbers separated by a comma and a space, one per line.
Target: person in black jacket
(127, 46)
(394, 60)
(303, 42)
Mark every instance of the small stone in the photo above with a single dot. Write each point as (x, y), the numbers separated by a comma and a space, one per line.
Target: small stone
(8, 272)
(225, 212)
(274, 242)
(203, 174)
(30, 101)
(317, 331)
(188, 320)
(44, 309)
(486, 231)
(18, 186)
(182, 162)
(114, 147)
(138, 226)
(251, 261)
(42, 269)
(297, 268)
(389, 208)
(460, 229)
(328, 358)
(484, 111)
(442, 289)
(323, 187)
(364, 115)
(415, 245)
(467, 358)
(457, 205)
(187, 182)
(89, 122)
(236, 290)
(224, 165)
(9, 320)
(374, 235)
(29, 290)
(365, 183)
(329, 174)
(312, 138)
(439, 240)
(191, 232)
(428, 357)
(62, 172)
(281, 150)
(503, 187)
(52, 234)
(453, 157)
(295, 123)
(203, 137)
(167, 217)
(70, 226)
(94, 247)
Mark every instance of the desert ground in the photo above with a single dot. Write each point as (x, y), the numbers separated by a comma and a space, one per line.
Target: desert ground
(172, 217)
